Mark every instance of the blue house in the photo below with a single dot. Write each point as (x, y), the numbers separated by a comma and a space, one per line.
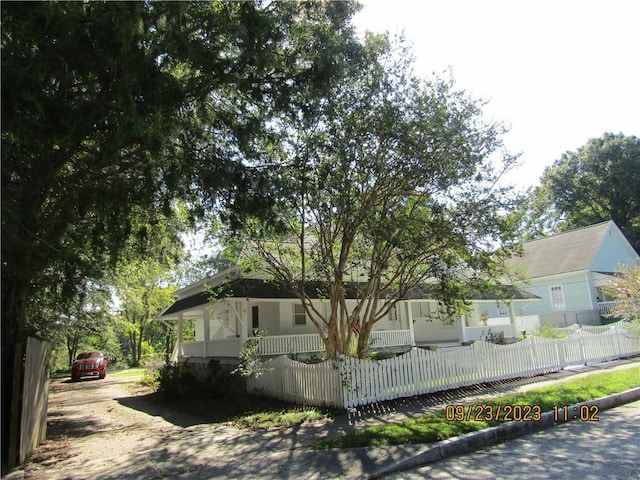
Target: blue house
(567, 271)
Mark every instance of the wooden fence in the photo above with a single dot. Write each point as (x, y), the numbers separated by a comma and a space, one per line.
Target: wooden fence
(28, 425)
(350, 382)
(35, 396)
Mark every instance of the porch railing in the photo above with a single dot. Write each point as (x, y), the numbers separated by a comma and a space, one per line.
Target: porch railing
(229, 347)
(390, 338)
(285, 344)
(606, 308)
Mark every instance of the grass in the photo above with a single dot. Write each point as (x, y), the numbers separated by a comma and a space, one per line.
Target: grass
(278, 419)
(435, 427)
(129, 372)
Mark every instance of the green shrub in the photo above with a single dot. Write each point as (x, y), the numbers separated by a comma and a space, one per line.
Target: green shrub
(547, 330)
(150, 379)
(176, 381)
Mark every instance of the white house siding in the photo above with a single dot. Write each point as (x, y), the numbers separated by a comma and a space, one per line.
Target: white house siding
(268, 317)
(435, 330)
(287, 324)
(428, 327)
(394, 321)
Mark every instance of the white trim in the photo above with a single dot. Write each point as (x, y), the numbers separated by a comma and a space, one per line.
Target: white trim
(560, 306)
(219, 278)
(293, 318)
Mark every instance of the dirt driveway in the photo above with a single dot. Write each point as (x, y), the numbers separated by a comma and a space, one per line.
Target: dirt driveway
(115, 430)
(99, 419)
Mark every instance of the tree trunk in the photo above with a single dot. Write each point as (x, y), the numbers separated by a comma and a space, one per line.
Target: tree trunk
(13, 334)
(363, 339)
(139, 359)
(72, 349)
(134, 345)
(167, 345)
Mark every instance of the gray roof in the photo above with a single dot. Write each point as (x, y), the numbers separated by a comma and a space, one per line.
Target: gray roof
(254, 288)
(567, 252)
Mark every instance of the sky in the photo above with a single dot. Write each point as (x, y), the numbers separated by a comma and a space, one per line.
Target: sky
(558, 73)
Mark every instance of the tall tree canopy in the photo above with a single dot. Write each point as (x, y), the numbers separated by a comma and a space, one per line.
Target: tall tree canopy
(598, 182)
(110, 105)
(388, 181)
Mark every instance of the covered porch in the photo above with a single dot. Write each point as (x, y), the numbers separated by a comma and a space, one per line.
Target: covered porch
(222, 327)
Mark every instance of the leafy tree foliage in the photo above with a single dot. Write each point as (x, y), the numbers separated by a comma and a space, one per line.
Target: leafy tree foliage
(108, 106)
(388, 182)
(598, 182)
(142, 296)
(75, 323)
(625, 289)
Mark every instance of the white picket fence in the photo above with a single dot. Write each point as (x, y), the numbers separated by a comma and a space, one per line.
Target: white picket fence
(350, 382)
(588, 328)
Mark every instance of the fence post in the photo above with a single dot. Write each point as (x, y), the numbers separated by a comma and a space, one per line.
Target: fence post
(479, 359)
(583, 355)
(560, 353)
(616, 335)
(414, 367)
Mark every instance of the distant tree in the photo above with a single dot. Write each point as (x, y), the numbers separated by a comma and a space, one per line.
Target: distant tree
(624, 288)
(598, 182)
(388, 182)
(142, 289)
(73, 323)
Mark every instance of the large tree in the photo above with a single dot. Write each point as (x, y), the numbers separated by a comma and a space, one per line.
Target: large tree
(387, 183)
(600, 181)
(109, 105)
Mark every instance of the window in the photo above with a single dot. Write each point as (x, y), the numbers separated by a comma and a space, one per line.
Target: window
(255, 323)
(557, 298)
(421, 309)
(299, 315)
(503, 309)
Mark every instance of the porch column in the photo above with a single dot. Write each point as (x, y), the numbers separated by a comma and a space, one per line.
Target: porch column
(243, 320)
(206, 328)
(512, 318)
(180, 330)
(463, 323)
(412, 334)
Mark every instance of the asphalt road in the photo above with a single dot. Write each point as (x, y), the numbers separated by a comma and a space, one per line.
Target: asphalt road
(608, 449)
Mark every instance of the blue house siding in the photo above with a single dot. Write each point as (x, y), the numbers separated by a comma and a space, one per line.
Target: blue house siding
(614, 251)
(579, 261)
(575, 290)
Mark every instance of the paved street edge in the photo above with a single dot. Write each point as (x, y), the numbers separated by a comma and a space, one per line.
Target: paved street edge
(498, 434)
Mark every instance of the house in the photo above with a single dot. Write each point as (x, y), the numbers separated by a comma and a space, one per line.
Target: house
(567, 271)
(219, 313)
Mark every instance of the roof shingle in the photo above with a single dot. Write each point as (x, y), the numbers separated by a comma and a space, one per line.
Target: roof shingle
(567, 252)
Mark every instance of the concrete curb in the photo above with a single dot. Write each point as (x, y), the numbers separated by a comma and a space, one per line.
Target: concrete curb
(498, 434)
